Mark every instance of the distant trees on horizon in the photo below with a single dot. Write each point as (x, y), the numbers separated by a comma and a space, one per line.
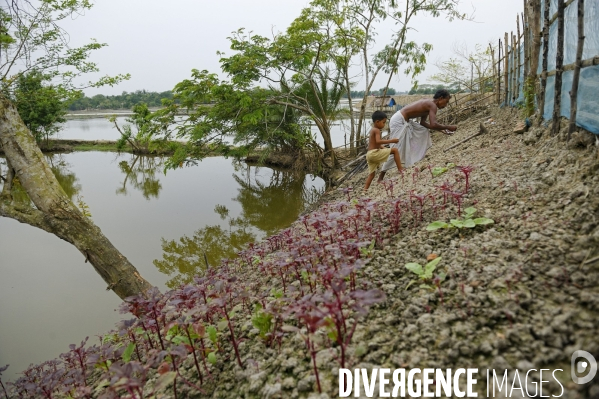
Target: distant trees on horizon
(120, 101)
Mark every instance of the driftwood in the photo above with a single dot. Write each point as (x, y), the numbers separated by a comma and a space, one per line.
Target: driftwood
(482, 130)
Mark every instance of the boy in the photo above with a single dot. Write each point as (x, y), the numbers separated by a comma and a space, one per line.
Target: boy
(377, 154)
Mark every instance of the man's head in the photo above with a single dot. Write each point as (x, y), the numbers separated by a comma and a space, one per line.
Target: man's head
(379, 118)
(441, 98)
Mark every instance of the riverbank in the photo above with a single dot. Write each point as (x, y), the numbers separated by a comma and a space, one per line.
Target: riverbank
(518, 294)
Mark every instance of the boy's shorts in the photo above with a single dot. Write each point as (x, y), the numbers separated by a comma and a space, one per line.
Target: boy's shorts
(376, 157)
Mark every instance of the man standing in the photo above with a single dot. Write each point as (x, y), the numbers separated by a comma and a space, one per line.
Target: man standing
(414, 138)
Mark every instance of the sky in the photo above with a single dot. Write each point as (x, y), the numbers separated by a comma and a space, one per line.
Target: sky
(160, 42)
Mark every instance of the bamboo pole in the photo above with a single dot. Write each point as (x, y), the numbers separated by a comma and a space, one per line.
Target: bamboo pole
(525, 42)
(505, 68)
(498, 93)
(575, 79)
(495, 76)
(535, 27)
(559, 63)
(517, 74)
(513, 69)
(545, 52)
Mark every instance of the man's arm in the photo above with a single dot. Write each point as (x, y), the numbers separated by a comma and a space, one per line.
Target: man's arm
(433, 125)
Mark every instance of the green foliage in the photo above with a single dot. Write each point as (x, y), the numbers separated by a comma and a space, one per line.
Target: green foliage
(439, 170)
(367, 251)
(31, 39)
(425, 274)
(83, 207)
(41, 106)
(467, 222)
(121, 101)
(128, 352)
(262, 321)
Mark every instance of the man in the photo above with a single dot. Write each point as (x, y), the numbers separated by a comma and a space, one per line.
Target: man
(414, 138)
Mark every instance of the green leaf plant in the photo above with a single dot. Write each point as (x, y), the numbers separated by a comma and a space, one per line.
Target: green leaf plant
(467, 222)
(425, 274)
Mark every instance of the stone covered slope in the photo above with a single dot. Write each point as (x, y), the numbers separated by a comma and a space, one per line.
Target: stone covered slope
(523, 293)
(520, 294)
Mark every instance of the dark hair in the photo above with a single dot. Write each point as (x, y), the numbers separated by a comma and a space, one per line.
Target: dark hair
(378, 116)
(441, 93)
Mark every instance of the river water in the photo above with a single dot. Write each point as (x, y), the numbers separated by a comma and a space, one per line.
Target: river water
(164, 224)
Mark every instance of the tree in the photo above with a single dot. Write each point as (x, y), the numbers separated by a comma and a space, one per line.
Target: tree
(41, 107)
(28, 31)
(471, 70)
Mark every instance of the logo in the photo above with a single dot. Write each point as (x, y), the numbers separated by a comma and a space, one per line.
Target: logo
(580, 366)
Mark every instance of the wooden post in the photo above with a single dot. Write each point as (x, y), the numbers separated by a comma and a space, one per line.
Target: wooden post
(559, 63)
(506, 66)
(576, 78)
(498, 93)
(525, 42)
(545, 51)
(513, 70)
(518, 58)
(495, 76)
(535, 48)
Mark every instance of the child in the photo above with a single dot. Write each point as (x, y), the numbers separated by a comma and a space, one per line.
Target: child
(377, 154)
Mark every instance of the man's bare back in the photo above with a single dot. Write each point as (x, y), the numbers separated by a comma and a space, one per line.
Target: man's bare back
(427, 108)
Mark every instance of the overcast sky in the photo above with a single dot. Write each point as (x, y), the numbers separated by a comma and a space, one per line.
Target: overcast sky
(160, 42)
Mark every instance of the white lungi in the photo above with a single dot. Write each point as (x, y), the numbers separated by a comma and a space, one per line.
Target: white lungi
(414, 141)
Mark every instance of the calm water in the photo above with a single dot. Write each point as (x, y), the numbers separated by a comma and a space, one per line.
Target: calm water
(50, 298)
(102, 129)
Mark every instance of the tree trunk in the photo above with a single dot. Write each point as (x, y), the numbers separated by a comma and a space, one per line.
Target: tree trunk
(53, 211)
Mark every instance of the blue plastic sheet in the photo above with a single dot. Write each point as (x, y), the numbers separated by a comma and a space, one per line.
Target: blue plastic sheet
(587, 114)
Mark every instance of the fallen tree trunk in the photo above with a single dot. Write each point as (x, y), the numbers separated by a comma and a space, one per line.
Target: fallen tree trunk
(53, 211)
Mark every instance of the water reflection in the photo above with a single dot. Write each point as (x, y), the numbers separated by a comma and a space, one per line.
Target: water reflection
(61, 170)
(140, 173)
(185, 257)
(66, 178)
(270, 200)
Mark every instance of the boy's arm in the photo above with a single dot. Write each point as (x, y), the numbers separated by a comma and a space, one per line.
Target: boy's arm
(379, 141)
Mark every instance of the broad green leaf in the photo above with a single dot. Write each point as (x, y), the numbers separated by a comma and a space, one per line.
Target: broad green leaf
(211, 358)
(438, 171)
(457, 223)
(414, 268)
(128, 352)
(469, 223)
(212, 334)
(469, 212)
(436, 226)
(442, 276)
(430, 267)
(426, 286)
(483, 221)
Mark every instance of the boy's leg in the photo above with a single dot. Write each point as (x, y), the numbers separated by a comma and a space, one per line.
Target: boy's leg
(395, 153)
(381, 176)
(369, 180)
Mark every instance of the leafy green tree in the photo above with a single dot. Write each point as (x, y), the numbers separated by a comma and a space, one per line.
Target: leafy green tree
(42, 106)
(32, 39)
